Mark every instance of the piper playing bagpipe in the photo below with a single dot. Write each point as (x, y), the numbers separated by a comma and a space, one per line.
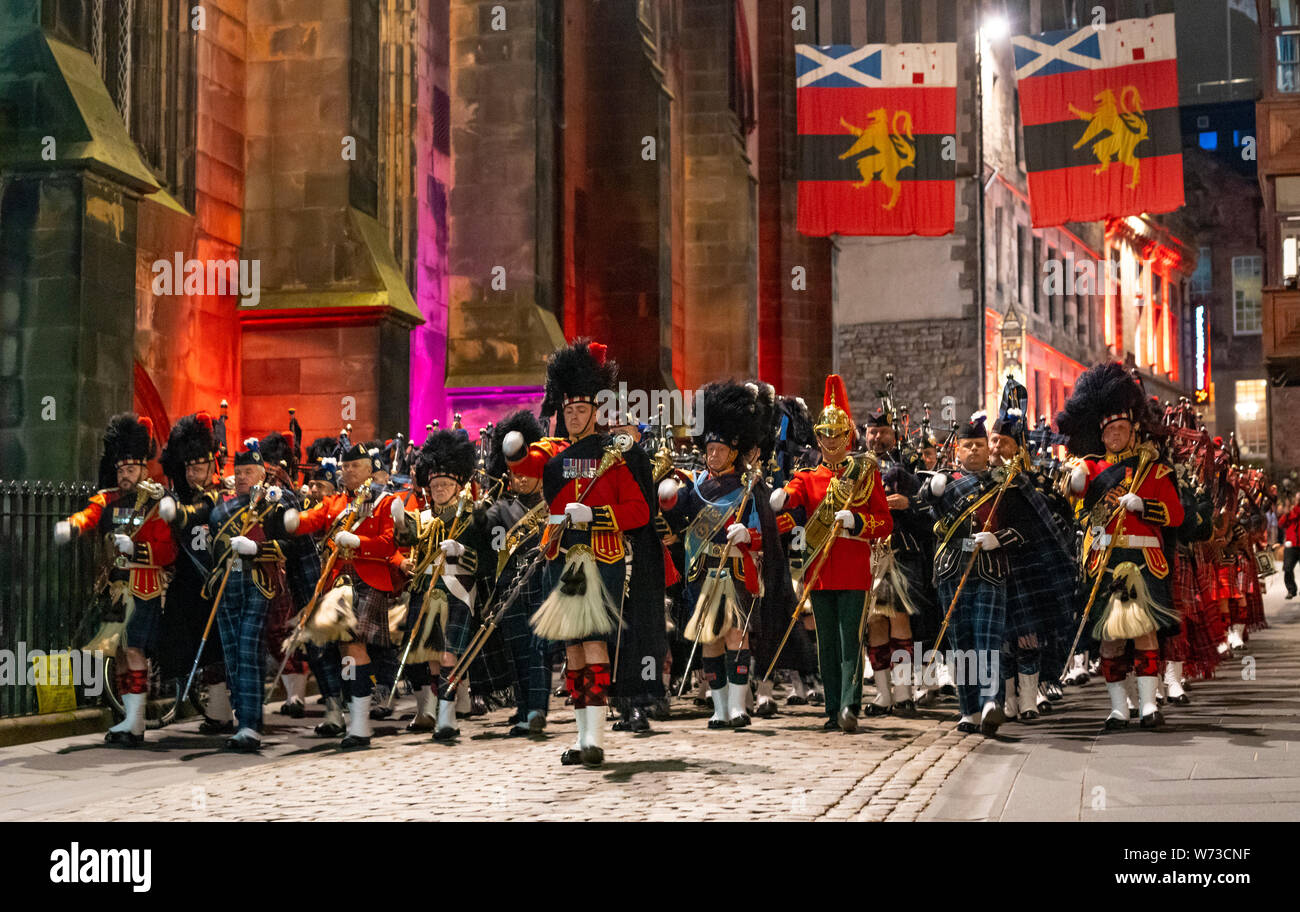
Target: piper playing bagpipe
(129, 591)
(247, 535)
(721, 540)
(364, 567)
(1128, 498)
(594, 500)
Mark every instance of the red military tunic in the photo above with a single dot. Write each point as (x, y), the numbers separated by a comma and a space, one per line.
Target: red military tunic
(376, 560)
(616, 500)
(1161, 509)
(155, 548)
(848, 565)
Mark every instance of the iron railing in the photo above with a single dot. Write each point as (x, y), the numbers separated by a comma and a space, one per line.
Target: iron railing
(44, 588)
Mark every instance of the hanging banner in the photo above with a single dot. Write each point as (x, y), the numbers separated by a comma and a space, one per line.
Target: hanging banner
(1100, 112)
(877, 139)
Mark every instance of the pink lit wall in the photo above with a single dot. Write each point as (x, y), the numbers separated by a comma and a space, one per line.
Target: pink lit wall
(429, 342)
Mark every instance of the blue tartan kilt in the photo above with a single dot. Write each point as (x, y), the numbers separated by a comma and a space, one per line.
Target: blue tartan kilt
(143, 625)
(371, 606)
(461, 625)
(1037, 603)
(979, 620)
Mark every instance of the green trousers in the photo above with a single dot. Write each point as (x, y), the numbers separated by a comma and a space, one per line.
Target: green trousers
(838, 613)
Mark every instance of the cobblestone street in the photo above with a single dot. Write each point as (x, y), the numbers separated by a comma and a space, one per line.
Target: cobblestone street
(783, 768)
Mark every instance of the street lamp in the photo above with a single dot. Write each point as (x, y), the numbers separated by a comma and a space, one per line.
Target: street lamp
(995, 28)
(1013, 342)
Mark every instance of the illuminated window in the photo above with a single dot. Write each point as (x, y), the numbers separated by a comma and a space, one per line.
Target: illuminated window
(1252, 417)
(1247, 284)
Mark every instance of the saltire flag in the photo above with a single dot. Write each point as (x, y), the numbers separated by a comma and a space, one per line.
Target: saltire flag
(1100, 112)
(877, 138)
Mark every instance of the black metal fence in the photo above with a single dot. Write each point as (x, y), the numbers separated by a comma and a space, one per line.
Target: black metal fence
(44, 588)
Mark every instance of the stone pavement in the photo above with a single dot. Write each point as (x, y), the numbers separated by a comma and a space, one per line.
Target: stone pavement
(1225, 757)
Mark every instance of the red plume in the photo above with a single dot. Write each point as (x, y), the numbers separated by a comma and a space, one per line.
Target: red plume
(598, 352)
(289, 439)
(147, 424)
(204, 419)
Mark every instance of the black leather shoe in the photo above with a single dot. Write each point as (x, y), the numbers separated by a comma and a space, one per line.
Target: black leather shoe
(741, 721)
(874, 710)
(446, 734)
(293, 709)
(795, 700)
(830, 725)
(477, 706)
(516, 732)
(1155, 720)
(848, 721)
(244, 745)
(124, 738)
(422, 723)
(381, 712)
(1133, 713)
(765, 709)
(213, 727)
(354, 742)
(1181, 700)
(816, 699)
(592, 757)
(1027, 714)
(906, 709)
(968, 728)
(638, 721)
(330, 730)
(571, 757)
(719, 723)
(1114, 723)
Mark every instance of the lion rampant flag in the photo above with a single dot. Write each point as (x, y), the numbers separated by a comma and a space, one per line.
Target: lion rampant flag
(877, 139)
(1100, 113)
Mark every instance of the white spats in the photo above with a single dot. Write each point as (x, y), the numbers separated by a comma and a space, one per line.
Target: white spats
(1118, 700)
(1174, 680)
(1028, 687)
(447, 713)
(295, 688)
(1011, 702)
(595, 730)
(884, 697)
(1147, 694)
(736, 694)
(133, 705)
(719, 695)
(218, 705)
(359, 717)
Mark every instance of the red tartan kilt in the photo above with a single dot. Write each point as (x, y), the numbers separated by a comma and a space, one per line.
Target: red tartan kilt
(1227, 583)
(1255, 608)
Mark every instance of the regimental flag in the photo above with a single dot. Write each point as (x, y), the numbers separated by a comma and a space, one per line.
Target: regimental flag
(1100, 113)
(877, 138)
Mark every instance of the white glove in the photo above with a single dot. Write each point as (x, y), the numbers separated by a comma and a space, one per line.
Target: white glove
(848, 522)
(243, 546)
(987, 541)
(452, 548)
(291, 517)
(62, 532)
(737, 534)
(668, 493)
(398, 510)
(167, 509)
(229, 482)
(938, 483)
(124, 544)
(778, 499)
(1078, 479)
(578, 512)
(1131, 502)
(274, 494)
(345, 539)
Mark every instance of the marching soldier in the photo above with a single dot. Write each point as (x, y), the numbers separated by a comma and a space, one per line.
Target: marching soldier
(903, 590)
(845, 500)
(189, 461)
(125, 512)
(594, 500)
(721, 540)
(247, 534)
(521, 451)
(983, 516)
(1128, 498)
(367, 555)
